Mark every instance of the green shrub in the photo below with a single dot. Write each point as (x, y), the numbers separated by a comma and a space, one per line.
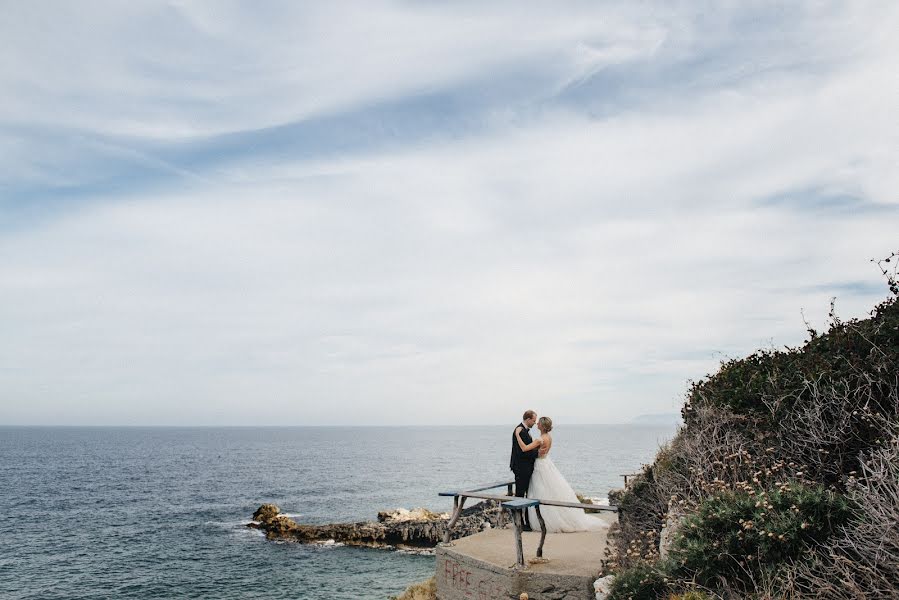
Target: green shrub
(748, 385)
(691, 595)
(738, 536)
(742, 384)
(640, 582)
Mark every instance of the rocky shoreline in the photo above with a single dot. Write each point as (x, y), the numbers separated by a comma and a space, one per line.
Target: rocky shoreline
(416, 529)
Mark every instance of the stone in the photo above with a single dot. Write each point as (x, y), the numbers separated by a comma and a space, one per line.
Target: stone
(603, 586)
(266, 512)
(419, 528)
(416, 514)
(673, 520)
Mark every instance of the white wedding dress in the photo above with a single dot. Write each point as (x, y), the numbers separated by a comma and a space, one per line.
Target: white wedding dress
(547, 483)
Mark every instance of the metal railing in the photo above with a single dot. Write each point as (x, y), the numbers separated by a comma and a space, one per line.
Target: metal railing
(516, 506)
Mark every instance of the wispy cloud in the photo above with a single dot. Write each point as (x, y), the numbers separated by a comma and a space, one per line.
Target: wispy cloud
(390, 212)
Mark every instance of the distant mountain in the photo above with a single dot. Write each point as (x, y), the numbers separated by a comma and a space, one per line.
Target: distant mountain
(657, 419)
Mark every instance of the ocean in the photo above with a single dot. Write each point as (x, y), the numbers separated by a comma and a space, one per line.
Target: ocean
(160, 512)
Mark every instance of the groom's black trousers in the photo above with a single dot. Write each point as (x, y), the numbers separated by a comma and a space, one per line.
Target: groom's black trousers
(522, 483)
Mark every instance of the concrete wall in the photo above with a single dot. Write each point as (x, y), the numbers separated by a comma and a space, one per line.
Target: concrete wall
(461, 577)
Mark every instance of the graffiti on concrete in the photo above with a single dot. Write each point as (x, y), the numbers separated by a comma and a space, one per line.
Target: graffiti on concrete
(464, 582)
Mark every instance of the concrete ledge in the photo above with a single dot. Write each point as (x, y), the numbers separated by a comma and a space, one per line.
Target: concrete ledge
(482, 566)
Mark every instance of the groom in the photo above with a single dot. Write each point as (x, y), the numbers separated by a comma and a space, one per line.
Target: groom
(522, 463)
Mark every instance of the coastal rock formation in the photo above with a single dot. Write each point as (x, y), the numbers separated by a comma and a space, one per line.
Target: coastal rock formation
(266, 512)
(419, 528)
(416, 514)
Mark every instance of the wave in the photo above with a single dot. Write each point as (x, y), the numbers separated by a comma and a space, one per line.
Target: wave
(598, 500)
(417, 551)
(238, 528)
(228, 524)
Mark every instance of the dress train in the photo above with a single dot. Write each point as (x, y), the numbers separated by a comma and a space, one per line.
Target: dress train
(547, 483)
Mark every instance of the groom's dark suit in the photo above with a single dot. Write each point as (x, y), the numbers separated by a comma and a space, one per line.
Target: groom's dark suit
(522, 463)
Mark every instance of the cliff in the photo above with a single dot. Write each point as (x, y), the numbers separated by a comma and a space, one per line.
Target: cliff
(783, 480)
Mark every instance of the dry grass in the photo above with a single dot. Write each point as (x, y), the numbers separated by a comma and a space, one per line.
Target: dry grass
(426, 590)
(863, 562)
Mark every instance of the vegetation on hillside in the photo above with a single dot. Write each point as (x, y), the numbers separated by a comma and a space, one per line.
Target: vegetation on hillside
(783, 481)
(426, 590)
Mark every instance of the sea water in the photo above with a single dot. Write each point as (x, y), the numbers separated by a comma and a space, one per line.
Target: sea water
(160, 512)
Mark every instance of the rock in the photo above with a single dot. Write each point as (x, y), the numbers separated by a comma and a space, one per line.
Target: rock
(419, 528)
(673, 520)
(586, 500)
(416, 514)
(266, 512)
(603, 586)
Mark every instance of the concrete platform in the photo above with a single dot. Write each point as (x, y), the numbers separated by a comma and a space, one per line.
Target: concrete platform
(482, 566)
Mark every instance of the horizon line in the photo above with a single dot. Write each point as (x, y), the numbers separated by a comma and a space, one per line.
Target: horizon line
(379, 425)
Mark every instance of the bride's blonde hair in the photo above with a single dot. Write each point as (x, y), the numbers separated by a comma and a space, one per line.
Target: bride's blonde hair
(546, 424)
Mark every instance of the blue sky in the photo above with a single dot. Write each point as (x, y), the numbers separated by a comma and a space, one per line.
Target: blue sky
(421, 213)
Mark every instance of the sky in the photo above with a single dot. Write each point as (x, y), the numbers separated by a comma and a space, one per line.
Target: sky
(402, 213)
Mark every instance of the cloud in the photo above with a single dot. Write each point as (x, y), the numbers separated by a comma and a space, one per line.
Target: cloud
(193, 69)
(352, 216)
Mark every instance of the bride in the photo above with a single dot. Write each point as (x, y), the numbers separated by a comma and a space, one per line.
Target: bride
(547, 483)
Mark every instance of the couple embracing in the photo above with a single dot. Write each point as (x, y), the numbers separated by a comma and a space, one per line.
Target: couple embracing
(537, 477)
